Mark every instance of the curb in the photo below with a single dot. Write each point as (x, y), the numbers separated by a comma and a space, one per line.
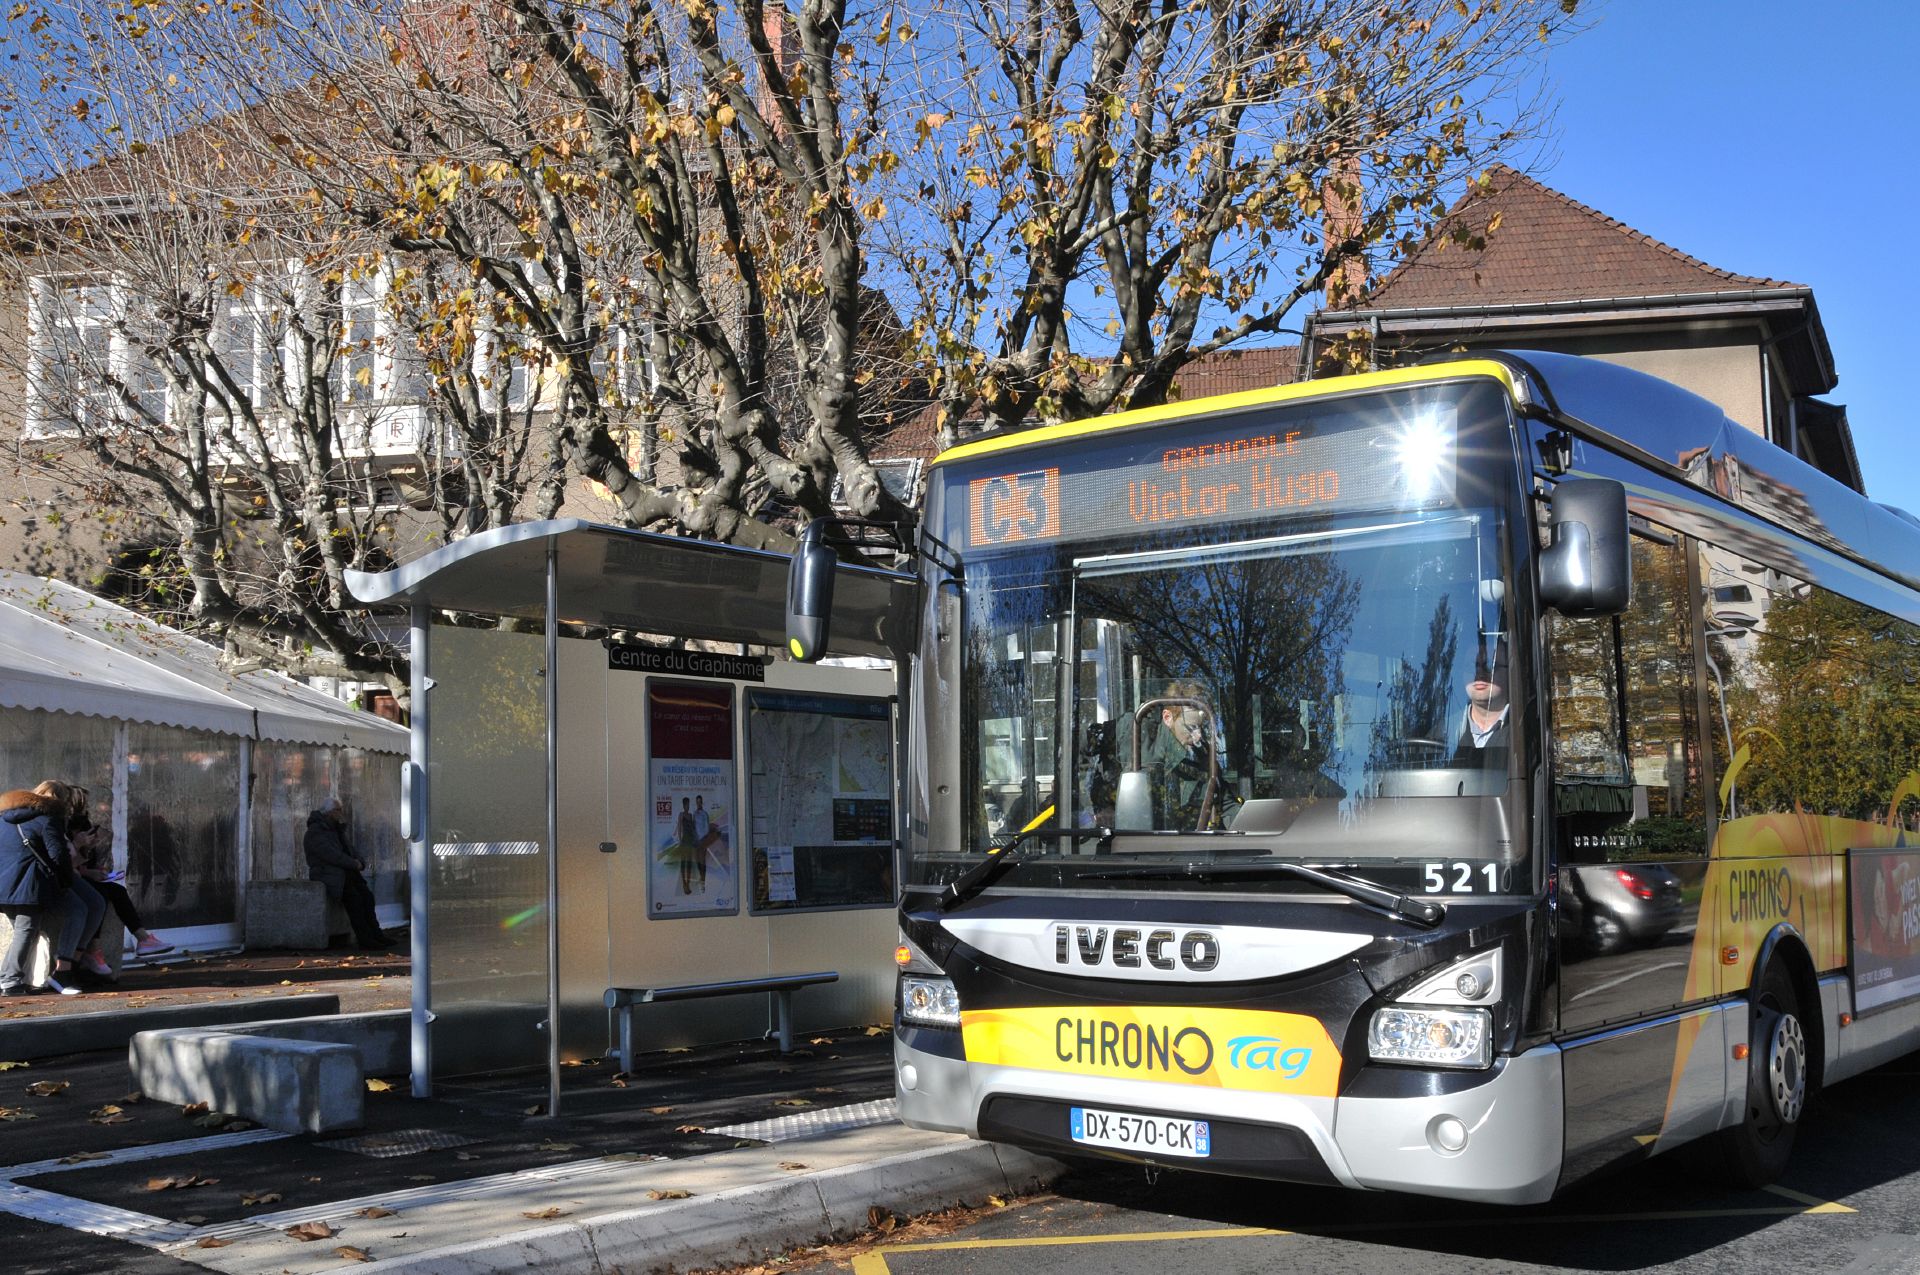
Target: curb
(745, 1223)
(53, 1034)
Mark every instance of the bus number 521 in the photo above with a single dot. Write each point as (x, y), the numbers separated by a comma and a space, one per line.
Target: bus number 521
(1433, 878)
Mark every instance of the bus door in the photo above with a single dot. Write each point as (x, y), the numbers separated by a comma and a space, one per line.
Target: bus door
(1630, 821)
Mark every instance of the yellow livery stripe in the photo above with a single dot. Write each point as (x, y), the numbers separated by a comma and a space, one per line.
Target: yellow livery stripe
(1332, 387)
(1254, 1050)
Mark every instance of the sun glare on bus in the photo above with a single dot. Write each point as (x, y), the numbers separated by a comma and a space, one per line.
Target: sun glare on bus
(1423, 449)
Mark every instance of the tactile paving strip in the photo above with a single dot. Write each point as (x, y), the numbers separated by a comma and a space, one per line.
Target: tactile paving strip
(814, 1124)
(386, 1146)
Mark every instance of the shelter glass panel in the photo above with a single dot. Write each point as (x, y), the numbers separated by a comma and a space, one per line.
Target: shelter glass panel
(487, 831)
(183, 814)
(37, 745)
(291, 780)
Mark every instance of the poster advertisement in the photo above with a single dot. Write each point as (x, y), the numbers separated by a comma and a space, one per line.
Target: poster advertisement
(691, 869)
(1883, 909)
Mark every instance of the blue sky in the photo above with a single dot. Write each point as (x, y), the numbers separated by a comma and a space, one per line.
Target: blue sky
(1776, 138)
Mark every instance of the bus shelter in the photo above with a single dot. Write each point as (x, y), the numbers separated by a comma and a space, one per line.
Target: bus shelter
(587, 809)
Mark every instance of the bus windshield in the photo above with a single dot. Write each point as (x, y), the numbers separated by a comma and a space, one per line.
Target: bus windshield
(1327, 681)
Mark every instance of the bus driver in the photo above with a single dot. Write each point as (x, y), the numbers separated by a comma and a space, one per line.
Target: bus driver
(1484, 725)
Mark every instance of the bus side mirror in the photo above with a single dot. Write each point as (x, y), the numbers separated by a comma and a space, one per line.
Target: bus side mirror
(810, 594)
(1587, 567)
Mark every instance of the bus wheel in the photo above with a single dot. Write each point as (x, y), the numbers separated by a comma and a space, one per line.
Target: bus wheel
(1756, 1149)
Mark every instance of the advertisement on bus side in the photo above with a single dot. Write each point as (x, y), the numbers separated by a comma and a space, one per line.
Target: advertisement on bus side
(1883, 931)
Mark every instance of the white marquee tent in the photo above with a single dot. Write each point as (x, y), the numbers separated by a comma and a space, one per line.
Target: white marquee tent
(210, 774)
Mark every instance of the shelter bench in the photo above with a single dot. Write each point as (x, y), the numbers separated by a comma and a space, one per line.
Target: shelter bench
(780, 986)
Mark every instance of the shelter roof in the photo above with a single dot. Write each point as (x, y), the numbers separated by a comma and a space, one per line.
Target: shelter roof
(619, 578)
(66, 651)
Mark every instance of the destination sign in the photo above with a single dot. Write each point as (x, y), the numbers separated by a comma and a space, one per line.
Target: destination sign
(1229, 478)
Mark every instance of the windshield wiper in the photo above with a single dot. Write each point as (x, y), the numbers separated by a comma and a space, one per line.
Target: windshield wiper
(999, 862)
(1408, 908)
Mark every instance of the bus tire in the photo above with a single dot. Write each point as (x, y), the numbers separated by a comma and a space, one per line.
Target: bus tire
(1755, 1151)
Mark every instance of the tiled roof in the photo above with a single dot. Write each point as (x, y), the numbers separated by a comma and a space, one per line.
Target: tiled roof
(1546, 247)
(1223, 372)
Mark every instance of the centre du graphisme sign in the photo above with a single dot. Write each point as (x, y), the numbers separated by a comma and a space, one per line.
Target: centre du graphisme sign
(636, 658)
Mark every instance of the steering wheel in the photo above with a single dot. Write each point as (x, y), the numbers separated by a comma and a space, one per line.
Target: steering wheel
(1417, 748)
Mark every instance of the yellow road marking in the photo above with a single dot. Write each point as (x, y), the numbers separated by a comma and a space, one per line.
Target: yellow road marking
(874, 1262)
(1817, 1204)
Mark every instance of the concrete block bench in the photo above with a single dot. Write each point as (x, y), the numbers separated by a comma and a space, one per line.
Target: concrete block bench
(299, 1075)
(296, 914)
(113, 938)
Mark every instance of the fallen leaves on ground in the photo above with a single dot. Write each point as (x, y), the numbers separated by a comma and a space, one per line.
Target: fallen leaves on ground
(81, 1157)
(109, 1114)
(541, 1215)
(996, 1202)
(878, 1031)
(537, 1108)
(213, 1241)
(9, 1066)
(376, 1085)
(793, 1102)
(821, 1040)
(689, 1128)
(16, 1113)
(374, 1210)
(128, 1099)
(669, 1193)
(193, 1109)
(838, 1256)
(559, 1146)
(267, 1197)
(679, 1049)
(306, 1232)
(180, 1184)
(353, 1254)
(48, 1088)
(792, 1166)
(214, 1120)
(659, 1111)
(881, 1219)
(619, 1080)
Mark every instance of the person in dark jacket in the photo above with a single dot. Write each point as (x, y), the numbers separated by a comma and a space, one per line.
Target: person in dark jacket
(334, 865)
(36, 874)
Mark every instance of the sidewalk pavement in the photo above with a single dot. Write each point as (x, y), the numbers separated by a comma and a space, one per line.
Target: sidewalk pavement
(363, 981)
(701, 1158)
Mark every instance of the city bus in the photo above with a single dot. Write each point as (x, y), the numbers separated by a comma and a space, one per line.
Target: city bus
(1458, 779)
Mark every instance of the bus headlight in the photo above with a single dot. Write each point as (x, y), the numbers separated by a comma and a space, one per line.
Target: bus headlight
(931, 1001)
(1431, 1037)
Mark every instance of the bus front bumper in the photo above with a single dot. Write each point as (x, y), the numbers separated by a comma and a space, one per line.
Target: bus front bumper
(1499, 1141)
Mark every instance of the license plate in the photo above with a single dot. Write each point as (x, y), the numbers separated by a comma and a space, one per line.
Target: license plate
(1163, 1135)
